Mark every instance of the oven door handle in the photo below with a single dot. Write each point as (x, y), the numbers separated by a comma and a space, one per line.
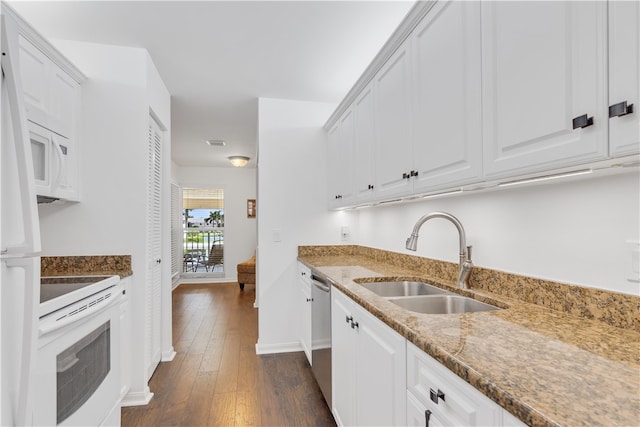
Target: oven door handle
(51, 325)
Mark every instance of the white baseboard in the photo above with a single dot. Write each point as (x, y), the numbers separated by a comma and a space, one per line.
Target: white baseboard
(137, 398)
(168, 355)
(288, 347)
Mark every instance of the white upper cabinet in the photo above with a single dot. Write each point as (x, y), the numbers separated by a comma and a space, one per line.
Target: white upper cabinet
(624, 77)
(544, 85)
(393, 151)
(447, 116)
(340, 158)
(50, 94)
(52, 99)
(477, 93)
(364, 154)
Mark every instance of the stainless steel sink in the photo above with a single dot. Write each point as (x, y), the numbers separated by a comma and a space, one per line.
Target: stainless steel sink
(442, 304)
(403, 288)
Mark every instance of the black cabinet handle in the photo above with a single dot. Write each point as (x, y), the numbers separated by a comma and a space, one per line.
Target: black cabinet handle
(414, 173)
(582, 121)
(370, 187)
(435, 395)
(349, 319)
(405, 175)
(354, 325)
(309, 299)
(620, 109)
(427, 415)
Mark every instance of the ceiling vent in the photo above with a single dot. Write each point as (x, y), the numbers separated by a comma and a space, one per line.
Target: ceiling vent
(216, 142)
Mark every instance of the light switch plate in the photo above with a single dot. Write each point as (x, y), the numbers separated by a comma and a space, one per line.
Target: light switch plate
(277, 235)
(344, 233)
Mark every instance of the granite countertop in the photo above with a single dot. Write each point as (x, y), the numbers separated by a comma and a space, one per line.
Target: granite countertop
(545, 366)
(85, 265)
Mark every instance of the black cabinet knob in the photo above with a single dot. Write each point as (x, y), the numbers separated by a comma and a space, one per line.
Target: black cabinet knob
(427, 415)
(582, 121)
(435, 395)
(620, 109)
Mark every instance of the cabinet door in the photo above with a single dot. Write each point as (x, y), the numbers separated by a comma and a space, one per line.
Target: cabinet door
(34, 69)
(364, 146)
(447, 115)
(343, 359)
(624, 72)
(543, 64)
(63, 100)
(340, 158)
(125, 339)
(393, 124)
(417, 414)
(304, 283)
(462, 404)
(380, 373)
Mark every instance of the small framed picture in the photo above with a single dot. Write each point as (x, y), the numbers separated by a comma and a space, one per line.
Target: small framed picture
(251, 208)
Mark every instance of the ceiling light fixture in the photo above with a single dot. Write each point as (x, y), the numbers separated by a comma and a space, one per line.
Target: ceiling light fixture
(216, 142)
(239, 161)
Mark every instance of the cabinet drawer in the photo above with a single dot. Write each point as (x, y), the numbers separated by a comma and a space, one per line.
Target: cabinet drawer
(462, 404)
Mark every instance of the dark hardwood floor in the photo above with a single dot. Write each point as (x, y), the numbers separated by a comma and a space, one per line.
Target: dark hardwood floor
(216, 379)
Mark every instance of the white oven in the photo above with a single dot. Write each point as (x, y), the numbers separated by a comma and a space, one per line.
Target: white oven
(77, 374)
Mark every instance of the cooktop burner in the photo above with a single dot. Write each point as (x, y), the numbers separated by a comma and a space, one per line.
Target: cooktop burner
(60, 291)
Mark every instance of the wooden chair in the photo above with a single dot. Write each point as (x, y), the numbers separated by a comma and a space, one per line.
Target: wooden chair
(216, 257)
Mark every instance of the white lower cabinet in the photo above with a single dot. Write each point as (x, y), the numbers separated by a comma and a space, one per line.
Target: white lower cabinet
(304, 283)
(419, 416)
(368, 367)
(125, 338)
(448, 400)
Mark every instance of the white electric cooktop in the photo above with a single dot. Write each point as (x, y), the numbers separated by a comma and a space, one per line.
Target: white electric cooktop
(57, 292)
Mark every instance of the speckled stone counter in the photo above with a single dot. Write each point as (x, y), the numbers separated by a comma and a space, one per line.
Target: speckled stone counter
(554, 355)
(86, 265)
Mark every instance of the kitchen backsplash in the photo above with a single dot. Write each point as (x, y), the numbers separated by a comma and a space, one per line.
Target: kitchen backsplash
(612, 308)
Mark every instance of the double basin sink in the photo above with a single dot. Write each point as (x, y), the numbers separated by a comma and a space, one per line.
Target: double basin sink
(421, 297)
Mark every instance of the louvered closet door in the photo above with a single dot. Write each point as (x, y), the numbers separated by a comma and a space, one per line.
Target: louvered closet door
(154, 249)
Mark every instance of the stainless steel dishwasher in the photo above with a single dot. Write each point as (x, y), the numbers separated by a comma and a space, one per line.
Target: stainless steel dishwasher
(321, 334)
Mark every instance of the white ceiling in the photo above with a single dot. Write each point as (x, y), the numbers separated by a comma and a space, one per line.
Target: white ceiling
(217, 57)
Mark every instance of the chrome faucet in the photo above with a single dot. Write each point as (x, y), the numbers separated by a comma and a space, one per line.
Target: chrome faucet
(465, 251)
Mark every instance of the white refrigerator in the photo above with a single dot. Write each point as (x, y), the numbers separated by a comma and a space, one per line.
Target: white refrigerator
(19, 243)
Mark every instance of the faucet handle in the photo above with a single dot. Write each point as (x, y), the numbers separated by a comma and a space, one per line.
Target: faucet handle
(469, 253)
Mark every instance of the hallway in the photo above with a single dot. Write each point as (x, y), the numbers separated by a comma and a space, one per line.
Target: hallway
(216, 379)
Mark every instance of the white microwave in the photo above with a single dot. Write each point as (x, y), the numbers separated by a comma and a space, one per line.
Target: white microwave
(51, 157)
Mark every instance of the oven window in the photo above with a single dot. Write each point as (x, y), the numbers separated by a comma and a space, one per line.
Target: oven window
(81, 369)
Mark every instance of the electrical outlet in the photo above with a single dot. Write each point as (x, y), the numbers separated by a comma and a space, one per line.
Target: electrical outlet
(277, 235)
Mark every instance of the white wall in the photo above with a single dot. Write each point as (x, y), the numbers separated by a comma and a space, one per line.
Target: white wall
(292, 203)
(571, 232)
(122, 87)
(239, 184)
